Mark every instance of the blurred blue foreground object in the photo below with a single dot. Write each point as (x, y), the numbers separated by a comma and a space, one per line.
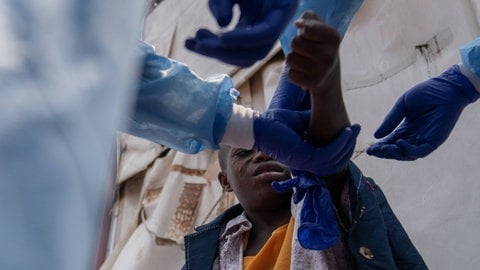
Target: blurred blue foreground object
(67, 72)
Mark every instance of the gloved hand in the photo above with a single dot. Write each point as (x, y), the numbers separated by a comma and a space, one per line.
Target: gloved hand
(280, 134)
(429, 112)
(318, 226)
(261, 23)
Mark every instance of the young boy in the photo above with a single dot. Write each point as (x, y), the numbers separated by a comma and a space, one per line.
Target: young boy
(262, 232)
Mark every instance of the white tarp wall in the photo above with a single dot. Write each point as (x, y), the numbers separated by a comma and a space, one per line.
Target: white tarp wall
(436, 198)
(390, 46)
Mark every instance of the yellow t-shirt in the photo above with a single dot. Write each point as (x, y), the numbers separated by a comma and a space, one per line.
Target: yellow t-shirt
(276, 252)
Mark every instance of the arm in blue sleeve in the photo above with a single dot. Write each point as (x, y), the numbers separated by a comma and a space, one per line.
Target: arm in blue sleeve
(177, 108)
(470, 67)
(337, 13)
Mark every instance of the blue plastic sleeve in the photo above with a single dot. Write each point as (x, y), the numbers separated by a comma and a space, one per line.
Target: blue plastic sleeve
(470, 54)
(178, 109)
(337, 13)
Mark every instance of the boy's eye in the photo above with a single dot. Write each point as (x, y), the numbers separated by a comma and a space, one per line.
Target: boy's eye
(242, 152)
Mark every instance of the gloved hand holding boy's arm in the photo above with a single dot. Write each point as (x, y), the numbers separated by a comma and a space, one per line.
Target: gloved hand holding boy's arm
(281, 134)
(177, 108)
(423, 117)
(314, 65)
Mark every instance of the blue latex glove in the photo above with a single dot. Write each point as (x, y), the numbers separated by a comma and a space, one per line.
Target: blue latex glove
(429, 112)
(289, 95)
(318, 225)
(280, 134)
(259, 26)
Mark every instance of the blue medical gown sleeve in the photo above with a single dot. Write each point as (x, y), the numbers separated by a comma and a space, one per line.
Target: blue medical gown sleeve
(470, 54)
(337, 13)
(66, 71)
(178, 109)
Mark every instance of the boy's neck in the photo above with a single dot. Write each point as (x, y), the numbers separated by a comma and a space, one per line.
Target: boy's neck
(263, 225)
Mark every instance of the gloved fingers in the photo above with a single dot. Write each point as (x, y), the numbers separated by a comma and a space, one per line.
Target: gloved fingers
(282, 186)
(279, 134)
(334, 167)
(387, 151)
(287, 121)
(347, 149)
(343, 160)
(392, 120)
(381, 150)
(337, 146)
(414, 151)
(328, 160)
(222, 10)
(373, 149)
(378, 148)
(205, 34)
(289, 96)
(209, 44)
(356, 129)
(388, 146)
(259, 34)
(202, 36)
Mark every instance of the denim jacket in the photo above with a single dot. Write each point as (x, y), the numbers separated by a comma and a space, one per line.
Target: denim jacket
(376, 239)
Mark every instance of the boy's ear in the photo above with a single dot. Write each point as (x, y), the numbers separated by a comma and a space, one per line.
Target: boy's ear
(222, 179)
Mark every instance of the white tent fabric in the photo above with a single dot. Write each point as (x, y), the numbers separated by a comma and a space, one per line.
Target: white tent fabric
(390, 46)
(436, 198)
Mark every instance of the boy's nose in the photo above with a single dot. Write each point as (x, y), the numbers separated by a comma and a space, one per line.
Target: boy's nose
(259, 156)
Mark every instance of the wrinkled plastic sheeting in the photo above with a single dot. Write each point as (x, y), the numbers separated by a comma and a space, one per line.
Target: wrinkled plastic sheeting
(387, 37)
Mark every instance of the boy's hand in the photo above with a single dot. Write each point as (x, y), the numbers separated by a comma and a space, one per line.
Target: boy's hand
(314, 61)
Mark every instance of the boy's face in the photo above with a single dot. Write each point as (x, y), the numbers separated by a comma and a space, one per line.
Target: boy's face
(249, 174)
